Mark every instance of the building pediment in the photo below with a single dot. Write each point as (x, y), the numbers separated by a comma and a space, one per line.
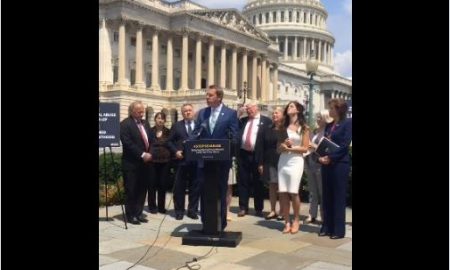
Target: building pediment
(232, 19)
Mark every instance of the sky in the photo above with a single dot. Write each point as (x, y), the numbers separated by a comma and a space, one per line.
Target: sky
(339, 23)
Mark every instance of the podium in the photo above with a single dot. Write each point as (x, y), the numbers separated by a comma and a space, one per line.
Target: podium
(212, 152)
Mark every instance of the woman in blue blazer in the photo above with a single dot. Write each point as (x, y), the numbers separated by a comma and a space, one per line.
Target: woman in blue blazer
(335, 171)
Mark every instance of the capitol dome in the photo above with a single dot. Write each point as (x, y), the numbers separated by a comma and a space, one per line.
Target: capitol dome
(298, 26)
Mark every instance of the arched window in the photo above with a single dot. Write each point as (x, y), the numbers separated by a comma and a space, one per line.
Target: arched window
(149, 113)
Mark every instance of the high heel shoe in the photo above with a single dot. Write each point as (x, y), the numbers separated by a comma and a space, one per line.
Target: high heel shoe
(287, 228)
(229, 216)
(271, 215)
(295, 227)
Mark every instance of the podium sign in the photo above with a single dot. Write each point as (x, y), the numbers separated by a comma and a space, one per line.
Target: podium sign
(108, 125)
(207, 150)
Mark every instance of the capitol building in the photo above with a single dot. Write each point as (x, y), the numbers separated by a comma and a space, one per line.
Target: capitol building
(167, 53)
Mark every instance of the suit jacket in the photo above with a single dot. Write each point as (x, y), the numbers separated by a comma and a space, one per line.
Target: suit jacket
(160, 150)
(266, 149)
(341, 135)
(264, 123)
(226, 125)
(178, 135)
(132, 144)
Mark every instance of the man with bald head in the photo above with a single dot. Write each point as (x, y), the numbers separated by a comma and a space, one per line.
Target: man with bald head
(137, 138)
(251, 128)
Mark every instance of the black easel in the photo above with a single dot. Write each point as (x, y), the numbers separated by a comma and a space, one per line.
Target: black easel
(115, 177)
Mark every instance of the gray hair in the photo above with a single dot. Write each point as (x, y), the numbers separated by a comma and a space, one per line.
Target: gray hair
(133, 105)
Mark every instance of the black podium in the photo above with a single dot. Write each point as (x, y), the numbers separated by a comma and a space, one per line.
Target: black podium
(211, 152)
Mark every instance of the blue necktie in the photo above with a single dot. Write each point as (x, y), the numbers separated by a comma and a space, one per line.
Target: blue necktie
(212, 120)
(189, 130)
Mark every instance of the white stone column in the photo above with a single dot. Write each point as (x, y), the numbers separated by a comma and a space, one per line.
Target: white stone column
(304, 49)
(234, 69)
(268, 92)
(329, 53)
(210, 79)
(276, 39)
(295, 48)
(184, 61)
(244, 66)
(122, 80)
(275, 82)
(325, 55)
(169, 77)
(155, 61)
(198, 62)
(254, 73)
(319, 55)
(263, 79)
(332, 55)
(286, 48)
(258, 79)
(322, 101)
(105, 65)
(139, 82)
(223, 65)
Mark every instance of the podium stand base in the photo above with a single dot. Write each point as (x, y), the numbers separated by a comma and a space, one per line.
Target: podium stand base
(222, 239)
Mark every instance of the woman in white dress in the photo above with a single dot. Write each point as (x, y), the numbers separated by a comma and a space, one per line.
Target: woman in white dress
(290, 164)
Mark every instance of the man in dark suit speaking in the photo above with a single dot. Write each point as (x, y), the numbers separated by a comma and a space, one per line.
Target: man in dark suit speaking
(216, 121)
(136, 138)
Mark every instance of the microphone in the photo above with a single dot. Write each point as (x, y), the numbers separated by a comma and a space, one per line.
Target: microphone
(202, 127)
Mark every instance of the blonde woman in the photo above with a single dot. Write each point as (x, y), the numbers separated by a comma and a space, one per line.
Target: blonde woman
(313, 167)
(268, 159)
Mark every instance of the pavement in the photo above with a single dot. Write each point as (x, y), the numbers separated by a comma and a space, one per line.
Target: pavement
(156, 245)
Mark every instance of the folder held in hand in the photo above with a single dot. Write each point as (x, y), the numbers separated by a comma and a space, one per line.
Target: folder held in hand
(326, 147)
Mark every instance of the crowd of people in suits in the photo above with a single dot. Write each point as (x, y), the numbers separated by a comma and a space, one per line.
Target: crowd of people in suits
(273, 152)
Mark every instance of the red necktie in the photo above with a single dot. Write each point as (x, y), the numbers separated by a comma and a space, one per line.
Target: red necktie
(144, 137)
(248, 141)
